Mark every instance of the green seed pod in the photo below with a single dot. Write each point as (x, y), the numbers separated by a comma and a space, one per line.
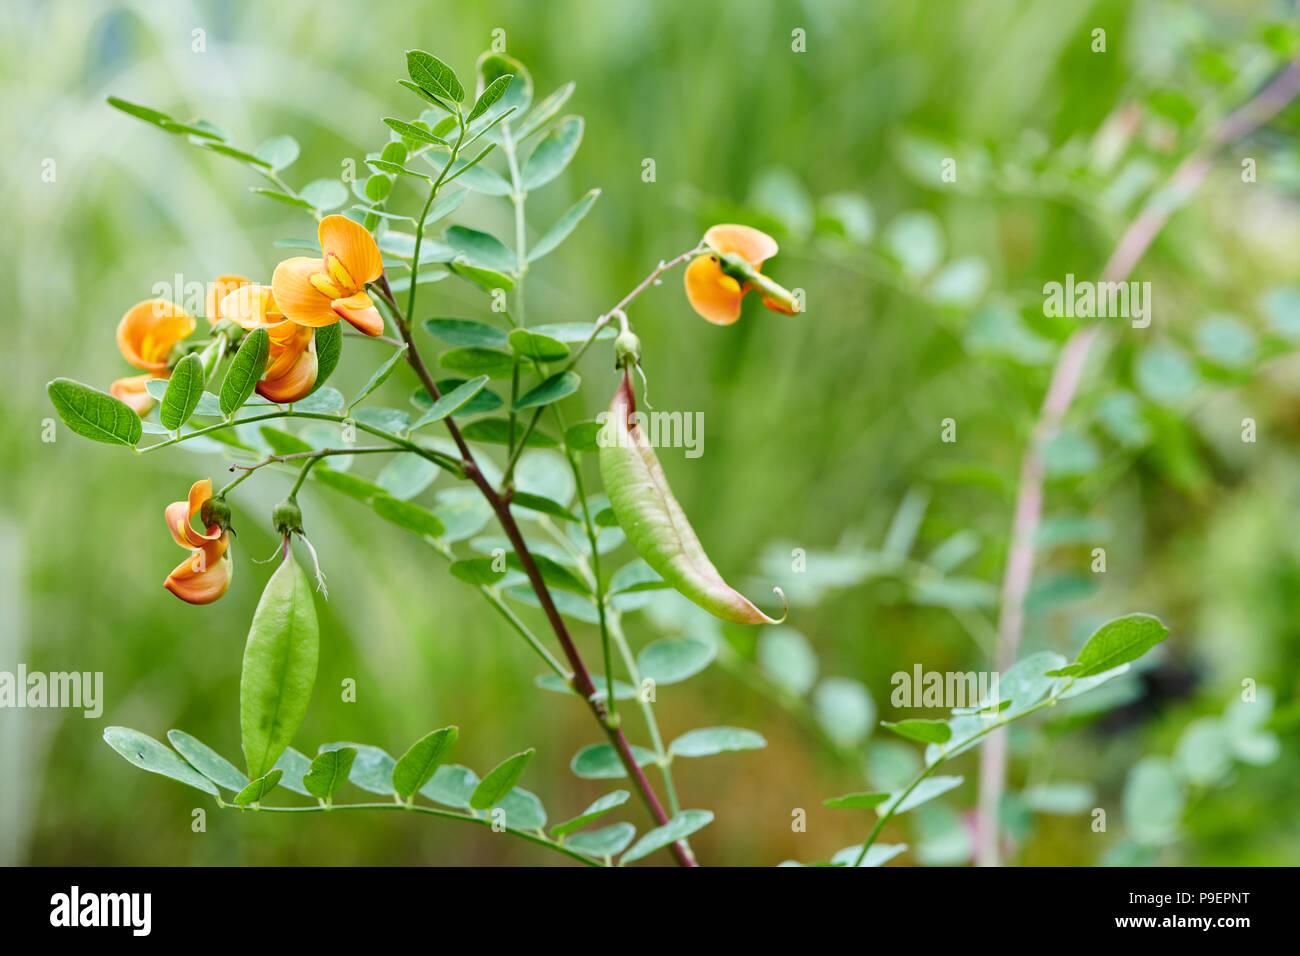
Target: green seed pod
(627, 350)
(654, 521)
(287, 517)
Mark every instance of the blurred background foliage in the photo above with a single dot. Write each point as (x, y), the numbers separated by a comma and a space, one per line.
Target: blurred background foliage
(822, 432)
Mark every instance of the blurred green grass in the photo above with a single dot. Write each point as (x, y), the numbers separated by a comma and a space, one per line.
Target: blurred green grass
(814, 426)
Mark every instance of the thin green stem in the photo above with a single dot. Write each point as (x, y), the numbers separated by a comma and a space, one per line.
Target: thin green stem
(598, 582)
(274, 179)
(302, 475)
(532, 837)
(500, 504)
(507, 476)
(623, 303)
(612, 630)
(513, 619)
(756, 680)
(647, 710)
(510, 433)
(518, 198)
(966, 742)
(218, 347)
(428, 203)
(445, 462)
(311, 456)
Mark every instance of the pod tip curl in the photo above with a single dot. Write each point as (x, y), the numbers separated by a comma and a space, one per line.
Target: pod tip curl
(785, 606)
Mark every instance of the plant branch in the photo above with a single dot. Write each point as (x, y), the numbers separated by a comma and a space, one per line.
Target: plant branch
(446, 462)
(311, 456)
(1064, 383)
(895, 803)
(513, 620)
(500, 504)
(537, 838)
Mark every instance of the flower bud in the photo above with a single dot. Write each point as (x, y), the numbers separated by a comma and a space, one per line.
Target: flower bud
(287, 517)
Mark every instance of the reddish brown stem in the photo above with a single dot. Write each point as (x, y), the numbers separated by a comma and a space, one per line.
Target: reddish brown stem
(582, 682)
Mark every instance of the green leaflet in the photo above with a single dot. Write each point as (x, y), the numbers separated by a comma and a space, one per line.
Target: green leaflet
(247, 368)
(328, 772)
(329, 346)
(417, 766)
(94, 414)
(184, 389)
(654, 521)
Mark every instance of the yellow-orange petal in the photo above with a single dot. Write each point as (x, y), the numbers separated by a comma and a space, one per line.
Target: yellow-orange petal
(295, 381)
(349, 245)
(712, 293)
(361, 312)
(131, 390)
(205, 575)
(149, 330)
(250, 307)
(179, 514)
(218, 289)
(747, 242)
(295, 295)
(782, 307)
(288, 341)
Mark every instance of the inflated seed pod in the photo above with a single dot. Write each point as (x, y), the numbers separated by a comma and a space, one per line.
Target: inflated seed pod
(654, 521)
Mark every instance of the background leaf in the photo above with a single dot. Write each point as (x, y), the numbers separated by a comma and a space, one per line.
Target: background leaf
(407, 515)
(379, 376)
(372, 769)
(94, 414)
(207, 761)
(678, 828)
(605, 842)
(857, 801)
(598, 809)
(600, 762)
(715, 740)
(563, 226)
(278, 152)
(553, 153)
(148, 754)
(558, 386)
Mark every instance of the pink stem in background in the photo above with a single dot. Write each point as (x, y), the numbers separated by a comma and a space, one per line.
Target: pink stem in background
(1019, 572)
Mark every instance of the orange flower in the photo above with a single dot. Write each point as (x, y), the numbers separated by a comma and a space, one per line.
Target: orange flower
(317, 292)
(146, 336)
(149, 331)
(131, 391)
(717, 282)
(291, 369)
(205, 575)
(218, 289)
